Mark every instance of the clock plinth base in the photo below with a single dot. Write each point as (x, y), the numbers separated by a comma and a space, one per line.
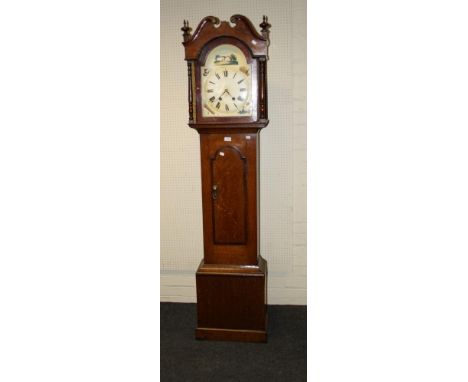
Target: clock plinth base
(231, 302)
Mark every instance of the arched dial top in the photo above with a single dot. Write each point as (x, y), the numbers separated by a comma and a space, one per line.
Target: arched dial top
(226, 85)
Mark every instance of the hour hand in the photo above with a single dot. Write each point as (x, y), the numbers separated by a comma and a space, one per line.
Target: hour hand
(222, 94)
(230, 95)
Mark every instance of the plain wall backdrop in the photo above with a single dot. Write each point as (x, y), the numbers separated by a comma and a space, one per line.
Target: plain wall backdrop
(282, 153)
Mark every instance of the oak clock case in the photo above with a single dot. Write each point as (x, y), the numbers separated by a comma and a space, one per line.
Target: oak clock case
(227, 96)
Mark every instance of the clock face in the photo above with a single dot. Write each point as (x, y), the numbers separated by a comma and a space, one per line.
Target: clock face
(226, 85)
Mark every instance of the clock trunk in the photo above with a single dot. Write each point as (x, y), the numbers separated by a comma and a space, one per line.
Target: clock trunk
(229, 195)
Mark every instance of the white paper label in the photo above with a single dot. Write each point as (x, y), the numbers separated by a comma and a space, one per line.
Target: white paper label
(247, 137)
(221, 153)
(227, 139)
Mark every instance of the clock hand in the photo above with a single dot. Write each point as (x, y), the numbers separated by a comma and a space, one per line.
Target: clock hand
(222, 94)
(230, 95)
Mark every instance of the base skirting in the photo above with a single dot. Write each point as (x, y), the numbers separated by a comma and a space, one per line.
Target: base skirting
(232, 302)
(230, 335)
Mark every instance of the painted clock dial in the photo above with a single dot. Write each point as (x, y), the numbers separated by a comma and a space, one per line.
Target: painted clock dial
(226, 83)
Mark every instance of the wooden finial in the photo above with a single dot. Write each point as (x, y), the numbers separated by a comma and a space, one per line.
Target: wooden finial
(265, 27)
(186, 29)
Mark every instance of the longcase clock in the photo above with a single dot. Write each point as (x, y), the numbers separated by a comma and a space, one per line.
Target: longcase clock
(227, 96)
